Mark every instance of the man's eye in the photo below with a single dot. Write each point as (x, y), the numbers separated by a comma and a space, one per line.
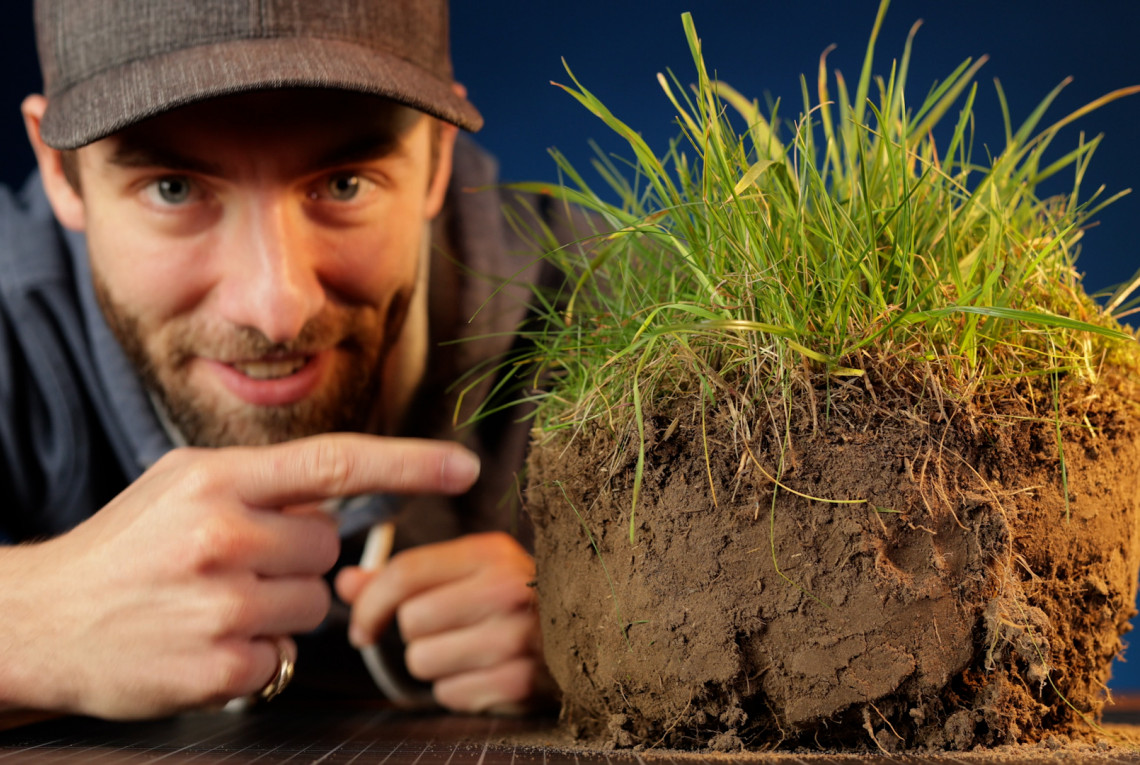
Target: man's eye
(174, 189)
(344, 186)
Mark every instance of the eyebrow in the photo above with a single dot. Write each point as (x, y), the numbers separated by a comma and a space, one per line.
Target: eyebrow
(134, 156)
(363, 148)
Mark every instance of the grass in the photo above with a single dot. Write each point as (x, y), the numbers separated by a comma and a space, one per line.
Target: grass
(756, 252)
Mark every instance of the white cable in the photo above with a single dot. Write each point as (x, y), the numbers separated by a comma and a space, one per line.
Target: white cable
(377, 549)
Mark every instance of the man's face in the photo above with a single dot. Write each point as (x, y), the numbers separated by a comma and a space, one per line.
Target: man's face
(257, 255)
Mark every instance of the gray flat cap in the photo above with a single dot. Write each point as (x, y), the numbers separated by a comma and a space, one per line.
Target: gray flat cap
(108, 64)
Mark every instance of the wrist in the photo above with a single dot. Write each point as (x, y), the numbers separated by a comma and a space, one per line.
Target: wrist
(30, 667)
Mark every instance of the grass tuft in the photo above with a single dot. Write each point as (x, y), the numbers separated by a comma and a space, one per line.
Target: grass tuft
(754, 252)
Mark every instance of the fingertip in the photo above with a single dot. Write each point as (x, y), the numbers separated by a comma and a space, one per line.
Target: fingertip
(349, 582)
(460, 469)
(359, 637)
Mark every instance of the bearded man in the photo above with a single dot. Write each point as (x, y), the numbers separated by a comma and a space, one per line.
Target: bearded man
(230, 300)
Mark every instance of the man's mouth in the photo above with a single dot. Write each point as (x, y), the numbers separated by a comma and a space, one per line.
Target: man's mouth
(273, 381)
(271, 369)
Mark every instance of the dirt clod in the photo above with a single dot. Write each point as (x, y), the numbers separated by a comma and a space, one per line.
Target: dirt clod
(915, 579)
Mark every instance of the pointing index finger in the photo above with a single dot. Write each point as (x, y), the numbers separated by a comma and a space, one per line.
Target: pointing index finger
(343, 464)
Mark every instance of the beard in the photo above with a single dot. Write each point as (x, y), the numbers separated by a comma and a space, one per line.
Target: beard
(362, 337)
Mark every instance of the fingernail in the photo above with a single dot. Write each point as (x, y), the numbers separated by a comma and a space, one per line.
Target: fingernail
(461, 469)
(357, 637)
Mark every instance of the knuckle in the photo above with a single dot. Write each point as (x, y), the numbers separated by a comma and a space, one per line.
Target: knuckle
(235, 610)
(403, 471)
(506, 590)
(512, 593)
(218, 609)
(197, 473)
(410, 617)
(419, 661)
(214, 541)
(504, 551)
(491, 542)
(330, 466)
(401, 571)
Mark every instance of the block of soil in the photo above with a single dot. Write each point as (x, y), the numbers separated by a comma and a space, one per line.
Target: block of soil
(915, 579)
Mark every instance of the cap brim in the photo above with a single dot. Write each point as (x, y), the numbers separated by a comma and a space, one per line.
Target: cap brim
(123, 96)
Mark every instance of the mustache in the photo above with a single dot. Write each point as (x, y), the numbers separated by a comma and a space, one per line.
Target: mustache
(331, 328)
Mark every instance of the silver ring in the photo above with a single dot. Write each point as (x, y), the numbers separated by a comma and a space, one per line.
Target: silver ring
(284, 673)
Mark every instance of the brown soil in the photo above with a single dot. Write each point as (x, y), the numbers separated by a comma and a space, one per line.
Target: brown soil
(961, 605)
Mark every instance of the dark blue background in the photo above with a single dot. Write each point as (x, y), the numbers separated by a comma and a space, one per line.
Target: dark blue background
(508, 51)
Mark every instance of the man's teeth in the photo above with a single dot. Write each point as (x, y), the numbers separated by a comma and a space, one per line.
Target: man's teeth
(269, 370)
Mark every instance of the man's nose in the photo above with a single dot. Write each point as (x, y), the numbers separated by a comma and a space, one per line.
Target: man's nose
(272, 284)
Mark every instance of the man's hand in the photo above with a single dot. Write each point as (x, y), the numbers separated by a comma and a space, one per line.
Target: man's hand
(467, 613)
(170, 597)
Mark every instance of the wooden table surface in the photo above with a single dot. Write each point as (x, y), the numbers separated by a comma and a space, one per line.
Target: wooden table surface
(372, 734)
